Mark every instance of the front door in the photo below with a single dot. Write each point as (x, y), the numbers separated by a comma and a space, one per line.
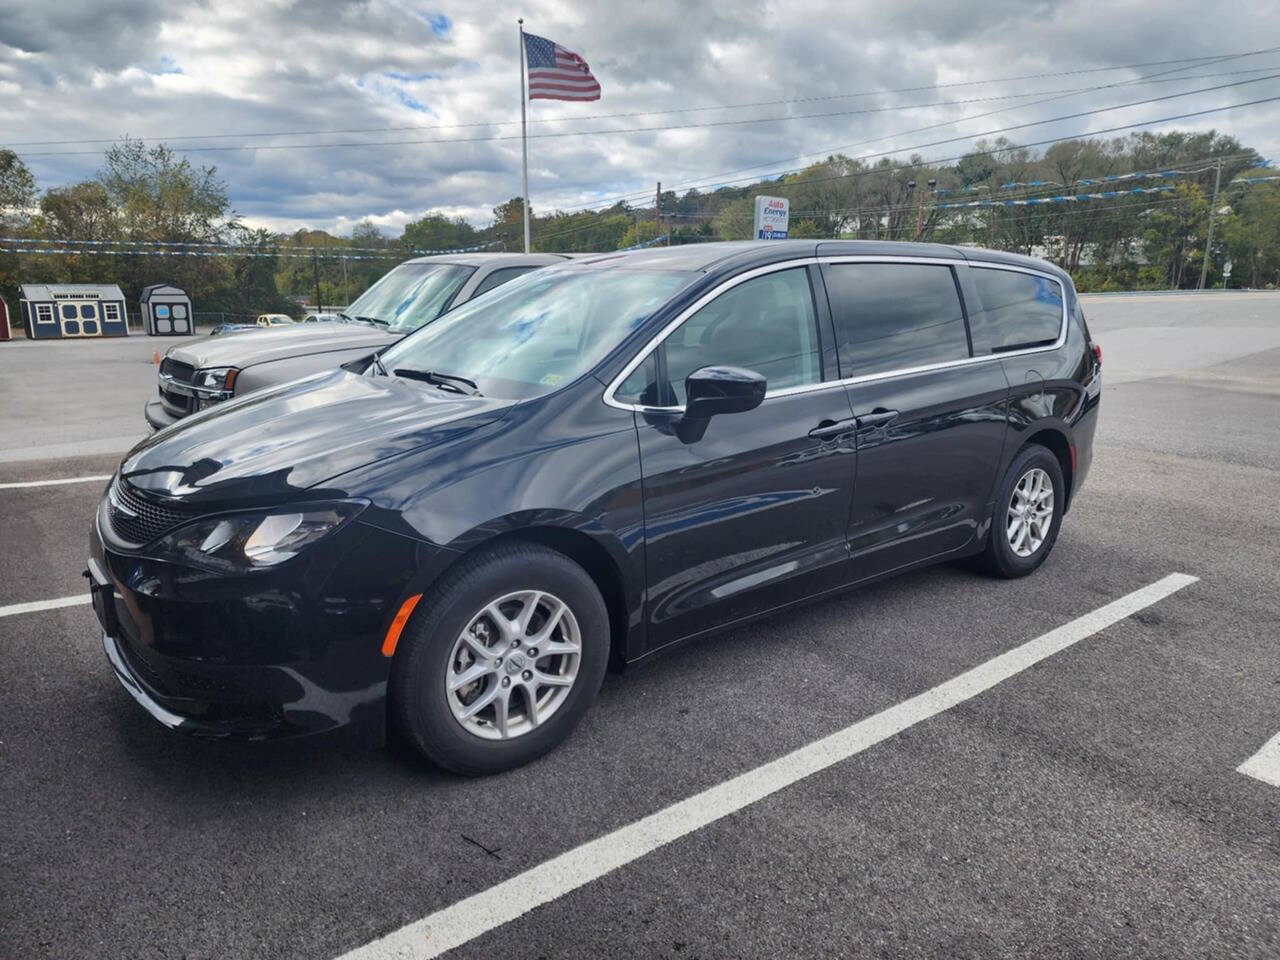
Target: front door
(931, 421)
(751, 514)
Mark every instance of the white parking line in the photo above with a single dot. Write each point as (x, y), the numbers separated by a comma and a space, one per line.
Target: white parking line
(478, 914)
(35, 606)
(21, 485)
(1265, 764)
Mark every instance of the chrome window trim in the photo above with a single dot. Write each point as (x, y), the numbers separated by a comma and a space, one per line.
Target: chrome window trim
(732, 282)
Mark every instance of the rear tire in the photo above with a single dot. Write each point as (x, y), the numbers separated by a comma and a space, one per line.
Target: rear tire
(470, 689)
(1027, 515)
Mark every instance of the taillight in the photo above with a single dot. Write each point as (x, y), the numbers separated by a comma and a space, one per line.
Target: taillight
(1097, 354)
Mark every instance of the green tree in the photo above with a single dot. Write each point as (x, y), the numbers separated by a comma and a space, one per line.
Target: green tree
(435, 231)
(1252, 234)
(17, 185)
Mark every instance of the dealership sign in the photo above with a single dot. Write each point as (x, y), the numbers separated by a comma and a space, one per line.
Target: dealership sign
(772, 215)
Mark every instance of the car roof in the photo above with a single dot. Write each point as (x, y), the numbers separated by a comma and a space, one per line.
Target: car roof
(705, 257)
(487, 259)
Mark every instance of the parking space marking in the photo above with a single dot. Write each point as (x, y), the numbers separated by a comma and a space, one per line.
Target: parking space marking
(1265, 764)
(24, 484)
(35, 606)
(467, 919)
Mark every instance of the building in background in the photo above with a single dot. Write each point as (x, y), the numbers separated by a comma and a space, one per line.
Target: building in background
(166, 311)
(73, 310)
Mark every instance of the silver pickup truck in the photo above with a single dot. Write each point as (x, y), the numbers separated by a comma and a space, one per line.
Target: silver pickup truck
(201, 372)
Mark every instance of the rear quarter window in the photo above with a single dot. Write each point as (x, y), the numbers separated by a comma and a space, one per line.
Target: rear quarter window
(1014, 310)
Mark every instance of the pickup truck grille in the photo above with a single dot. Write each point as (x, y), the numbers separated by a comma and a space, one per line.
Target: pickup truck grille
(138, 521)
(182, 372)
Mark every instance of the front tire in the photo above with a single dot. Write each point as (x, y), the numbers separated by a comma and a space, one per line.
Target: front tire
(501, 660)
(1027, 514)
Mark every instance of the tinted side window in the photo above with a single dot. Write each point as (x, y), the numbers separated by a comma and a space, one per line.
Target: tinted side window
(499, 277)
(1017, 310)
(766, 324)
(891, 316)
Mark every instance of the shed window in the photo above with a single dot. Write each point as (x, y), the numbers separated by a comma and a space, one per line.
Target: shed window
(111, 311)
(44, 313)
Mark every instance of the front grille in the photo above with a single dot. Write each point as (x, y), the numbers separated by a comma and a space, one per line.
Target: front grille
(178, 403)
(181, 372)
(135, 520)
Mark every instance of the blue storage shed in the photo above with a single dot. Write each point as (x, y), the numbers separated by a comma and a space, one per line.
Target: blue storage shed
(55, 310)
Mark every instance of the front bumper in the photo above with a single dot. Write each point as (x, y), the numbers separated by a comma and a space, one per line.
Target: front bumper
(290, 652)
(158, 416)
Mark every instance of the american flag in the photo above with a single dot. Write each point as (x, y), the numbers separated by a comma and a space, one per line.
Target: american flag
(556, 73)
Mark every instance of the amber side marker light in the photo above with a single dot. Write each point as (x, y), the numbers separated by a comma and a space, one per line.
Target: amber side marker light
(397, 625)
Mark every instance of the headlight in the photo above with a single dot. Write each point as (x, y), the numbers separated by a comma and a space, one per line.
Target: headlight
(240, 542)
(215, 379)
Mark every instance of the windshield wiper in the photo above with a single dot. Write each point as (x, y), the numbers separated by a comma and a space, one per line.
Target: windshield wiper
(446, 381)
(376, 321)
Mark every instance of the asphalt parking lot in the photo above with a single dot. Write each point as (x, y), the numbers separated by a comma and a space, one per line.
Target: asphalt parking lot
(1088, 805)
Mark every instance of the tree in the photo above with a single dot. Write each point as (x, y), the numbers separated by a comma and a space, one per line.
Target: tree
(253, 289)
(17, 186)
(160, 198)
(1252, 235)
(435, 231)
(82, 211)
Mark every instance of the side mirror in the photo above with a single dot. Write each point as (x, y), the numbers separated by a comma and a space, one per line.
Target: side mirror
(715, 390)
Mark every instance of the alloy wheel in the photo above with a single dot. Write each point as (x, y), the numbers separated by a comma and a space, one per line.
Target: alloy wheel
(1030, 513)
(513, 665)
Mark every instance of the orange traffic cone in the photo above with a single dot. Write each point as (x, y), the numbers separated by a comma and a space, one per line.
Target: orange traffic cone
(155, 356)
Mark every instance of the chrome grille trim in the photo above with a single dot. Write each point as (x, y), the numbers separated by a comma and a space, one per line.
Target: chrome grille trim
(137, 520)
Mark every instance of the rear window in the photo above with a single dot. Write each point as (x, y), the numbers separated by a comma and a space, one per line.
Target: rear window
(1016, 310)
(894, 316)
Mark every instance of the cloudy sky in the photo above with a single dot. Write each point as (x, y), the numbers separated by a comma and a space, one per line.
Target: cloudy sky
(341, 99)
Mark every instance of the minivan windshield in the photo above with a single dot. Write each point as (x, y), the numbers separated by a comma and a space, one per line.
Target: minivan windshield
(410, 295)
(538, 331)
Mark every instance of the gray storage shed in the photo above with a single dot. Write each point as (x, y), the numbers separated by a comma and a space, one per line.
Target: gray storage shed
(166, 311)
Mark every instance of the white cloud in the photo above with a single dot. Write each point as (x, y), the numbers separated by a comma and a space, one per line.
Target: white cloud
(103, 68)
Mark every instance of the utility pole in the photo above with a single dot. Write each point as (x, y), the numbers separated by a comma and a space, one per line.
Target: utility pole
(657, 212)
(920, 212)
(1213, 209)
(315, 265)
(346, 290)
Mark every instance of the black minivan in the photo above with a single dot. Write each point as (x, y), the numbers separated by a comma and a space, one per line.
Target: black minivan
(589, 464)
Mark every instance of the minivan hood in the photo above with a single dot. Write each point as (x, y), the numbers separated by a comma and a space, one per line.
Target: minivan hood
(269, 446)
(248, 347)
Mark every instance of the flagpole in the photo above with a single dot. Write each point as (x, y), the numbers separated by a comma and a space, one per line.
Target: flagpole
(524, 135)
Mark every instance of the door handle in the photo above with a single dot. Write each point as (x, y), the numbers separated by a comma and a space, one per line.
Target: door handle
(877, 418)
(833, 428)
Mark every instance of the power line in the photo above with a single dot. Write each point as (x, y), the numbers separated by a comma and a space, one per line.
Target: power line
(1042, 191)
(717, 179)
(652, 129)
(1192, 61)
(941, 160)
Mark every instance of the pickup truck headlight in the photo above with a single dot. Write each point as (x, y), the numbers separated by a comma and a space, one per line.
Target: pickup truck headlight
(241, 542)
(215, 380)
